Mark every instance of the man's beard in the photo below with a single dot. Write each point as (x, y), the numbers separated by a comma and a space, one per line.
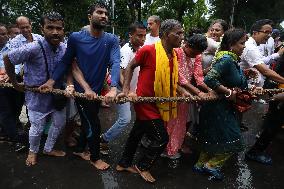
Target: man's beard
(98, 25)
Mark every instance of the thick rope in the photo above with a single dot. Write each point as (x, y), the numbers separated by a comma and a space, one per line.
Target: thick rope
(142, 99)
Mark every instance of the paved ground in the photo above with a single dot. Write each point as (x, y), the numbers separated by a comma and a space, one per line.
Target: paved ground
(71, 172)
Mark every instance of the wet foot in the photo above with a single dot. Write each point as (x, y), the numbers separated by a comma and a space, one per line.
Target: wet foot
(146, 175)
(100, 164)
(128, 169)
(31, 159)
(56, 153)
(84, 155)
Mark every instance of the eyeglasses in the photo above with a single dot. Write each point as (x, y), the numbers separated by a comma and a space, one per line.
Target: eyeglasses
(266, 32)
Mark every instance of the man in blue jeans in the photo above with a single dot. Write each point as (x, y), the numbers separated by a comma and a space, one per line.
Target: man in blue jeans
(137, 35)
(94, 51)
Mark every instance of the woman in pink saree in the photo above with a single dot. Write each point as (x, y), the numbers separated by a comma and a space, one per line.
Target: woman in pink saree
(190, 81)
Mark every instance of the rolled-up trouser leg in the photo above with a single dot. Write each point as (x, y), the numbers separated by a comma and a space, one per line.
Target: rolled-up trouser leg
(91, 127)
(58, 120)
(38, 121)
(135, 135)
(124, 117)
(153, 143)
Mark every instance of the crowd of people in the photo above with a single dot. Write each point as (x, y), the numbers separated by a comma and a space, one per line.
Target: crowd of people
(167, 62)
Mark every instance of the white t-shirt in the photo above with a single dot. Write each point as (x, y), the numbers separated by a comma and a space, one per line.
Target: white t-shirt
(209, 53)
(251, 57)
(267, 48)
(126, 55)
(150, 39)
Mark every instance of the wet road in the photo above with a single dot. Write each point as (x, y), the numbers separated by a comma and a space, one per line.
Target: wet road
(71, 172)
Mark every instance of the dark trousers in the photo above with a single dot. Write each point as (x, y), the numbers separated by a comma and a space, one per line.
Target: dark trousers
(91, 128)
(11, 102)
(153, 137)
(272, 124)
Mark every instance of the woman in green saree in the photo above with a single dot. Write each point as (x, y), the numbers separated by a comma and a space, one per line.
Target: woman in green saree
(219, 132)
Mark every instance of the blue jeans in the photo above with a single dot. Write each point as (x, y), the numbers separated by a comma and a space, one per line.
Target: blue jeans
(124, 117)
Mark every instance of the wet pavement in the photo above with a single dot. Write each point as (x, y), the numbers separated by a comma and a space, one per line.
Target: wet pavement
(72, 172)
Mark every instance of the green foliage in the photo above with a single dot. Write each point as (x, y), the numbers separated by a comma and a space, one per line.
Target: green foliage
(74, 12)
(126, 11)
(186, 11)
(10, 10)
(247, 11)
(196, 19)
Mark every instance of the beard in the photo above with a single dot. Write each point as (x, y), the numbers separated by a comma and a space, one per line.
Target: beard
(98, 25)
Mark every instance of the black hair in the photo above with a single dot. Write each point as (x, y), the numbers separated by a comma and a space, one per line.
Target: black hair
(223, 23)
(231, 37)
(156, 18)
(258, 24)
(52, 16)
(97, 4)
(196, 40)
(132, 28)
(168, 25)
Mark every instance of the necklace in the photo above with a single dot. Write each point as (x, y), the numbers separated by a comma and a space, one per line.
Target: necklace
(220, 54)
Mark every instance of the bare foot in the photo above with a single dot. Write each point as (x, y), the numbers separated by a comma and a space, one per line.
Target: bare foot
(31, 159)
(100, 164)
(129, 169)
(84, 155)
(146, 175)
(56, 153)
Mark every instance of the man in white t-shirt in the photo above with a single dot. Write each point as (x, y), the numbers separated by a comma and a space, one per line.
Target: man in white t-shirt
(267, 49)
(153, 24)
(252, 56)
(137, 34)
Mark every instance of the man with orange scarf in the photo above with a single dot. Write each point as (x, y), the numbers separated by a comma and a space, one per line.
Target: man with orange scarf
(158, 77)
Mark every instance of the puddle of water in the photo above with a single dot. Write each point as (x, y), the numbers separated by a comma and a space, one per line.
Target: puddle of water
(244, 178)
(109, 180)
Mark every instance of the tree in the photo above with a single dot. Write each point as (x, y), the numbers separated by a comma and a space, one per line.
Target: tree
(190, 13)
(30, 8)
(197, 18)
(126, 12)
(246, 12)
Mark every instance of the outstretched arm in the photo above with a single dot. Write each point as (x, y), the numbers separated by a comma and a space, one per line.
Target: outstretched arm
(79, 77)
(10, 69)
(264, 70)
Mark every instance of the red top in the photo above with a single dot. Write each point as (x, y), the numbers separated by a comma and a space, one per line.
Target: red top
(146, 58)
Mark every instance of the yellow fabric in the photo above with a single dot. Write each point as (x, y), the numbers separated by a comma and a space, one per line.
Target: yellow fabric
(162, 85)
(214, 160)
(281, 86)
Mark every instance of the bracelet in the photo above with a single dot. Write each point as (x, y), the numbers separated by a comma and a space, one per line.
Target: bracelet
(69, 86)
(227, 96)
